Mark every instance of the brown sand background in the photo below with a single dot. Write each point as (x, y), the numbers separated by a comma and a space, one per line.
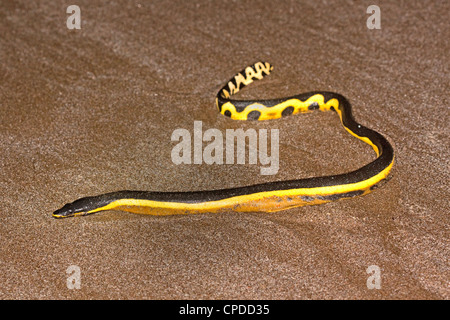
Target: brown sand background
(90, 111)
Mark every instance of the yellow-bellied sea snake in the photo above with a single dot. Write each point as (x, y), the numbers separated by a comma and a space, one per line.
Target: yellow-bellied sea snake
(265, 197)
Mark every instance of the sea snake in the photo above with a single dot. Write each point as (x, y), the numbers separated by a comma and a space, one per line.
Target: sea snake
(265, 197)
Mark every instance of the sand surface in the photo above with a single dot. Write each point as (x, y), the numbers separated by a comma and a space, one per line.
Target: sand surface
(91, 111)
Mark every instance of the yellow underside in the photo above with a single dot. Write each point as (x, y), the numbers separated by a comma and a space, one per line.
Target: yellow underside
(269, 201)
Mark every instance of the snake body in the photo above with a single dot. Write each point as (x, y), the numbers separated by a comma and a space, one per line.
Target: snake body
(265, 197)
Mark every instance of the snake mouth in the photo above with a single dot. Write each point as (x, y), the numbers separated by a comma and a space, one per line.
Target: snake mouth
(67, 212)
(62, 215)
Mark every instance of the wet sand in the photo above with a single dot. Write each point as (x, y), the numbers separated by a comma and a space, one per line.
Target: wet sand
(90, 111)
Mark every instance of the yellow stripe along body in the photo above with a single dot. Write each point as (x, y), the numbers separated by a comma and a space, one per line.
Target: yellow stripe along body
(266, 197)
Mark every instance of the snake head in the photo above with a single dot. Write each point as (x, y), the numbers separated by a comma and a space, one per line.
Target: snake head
(84, 206)
(79, 207)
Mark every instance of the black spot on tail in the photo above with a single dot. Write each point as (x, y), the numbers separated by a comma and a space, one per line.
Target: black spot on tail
(313, 106)
(287, 111)
(227, 113)
(253, 115)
